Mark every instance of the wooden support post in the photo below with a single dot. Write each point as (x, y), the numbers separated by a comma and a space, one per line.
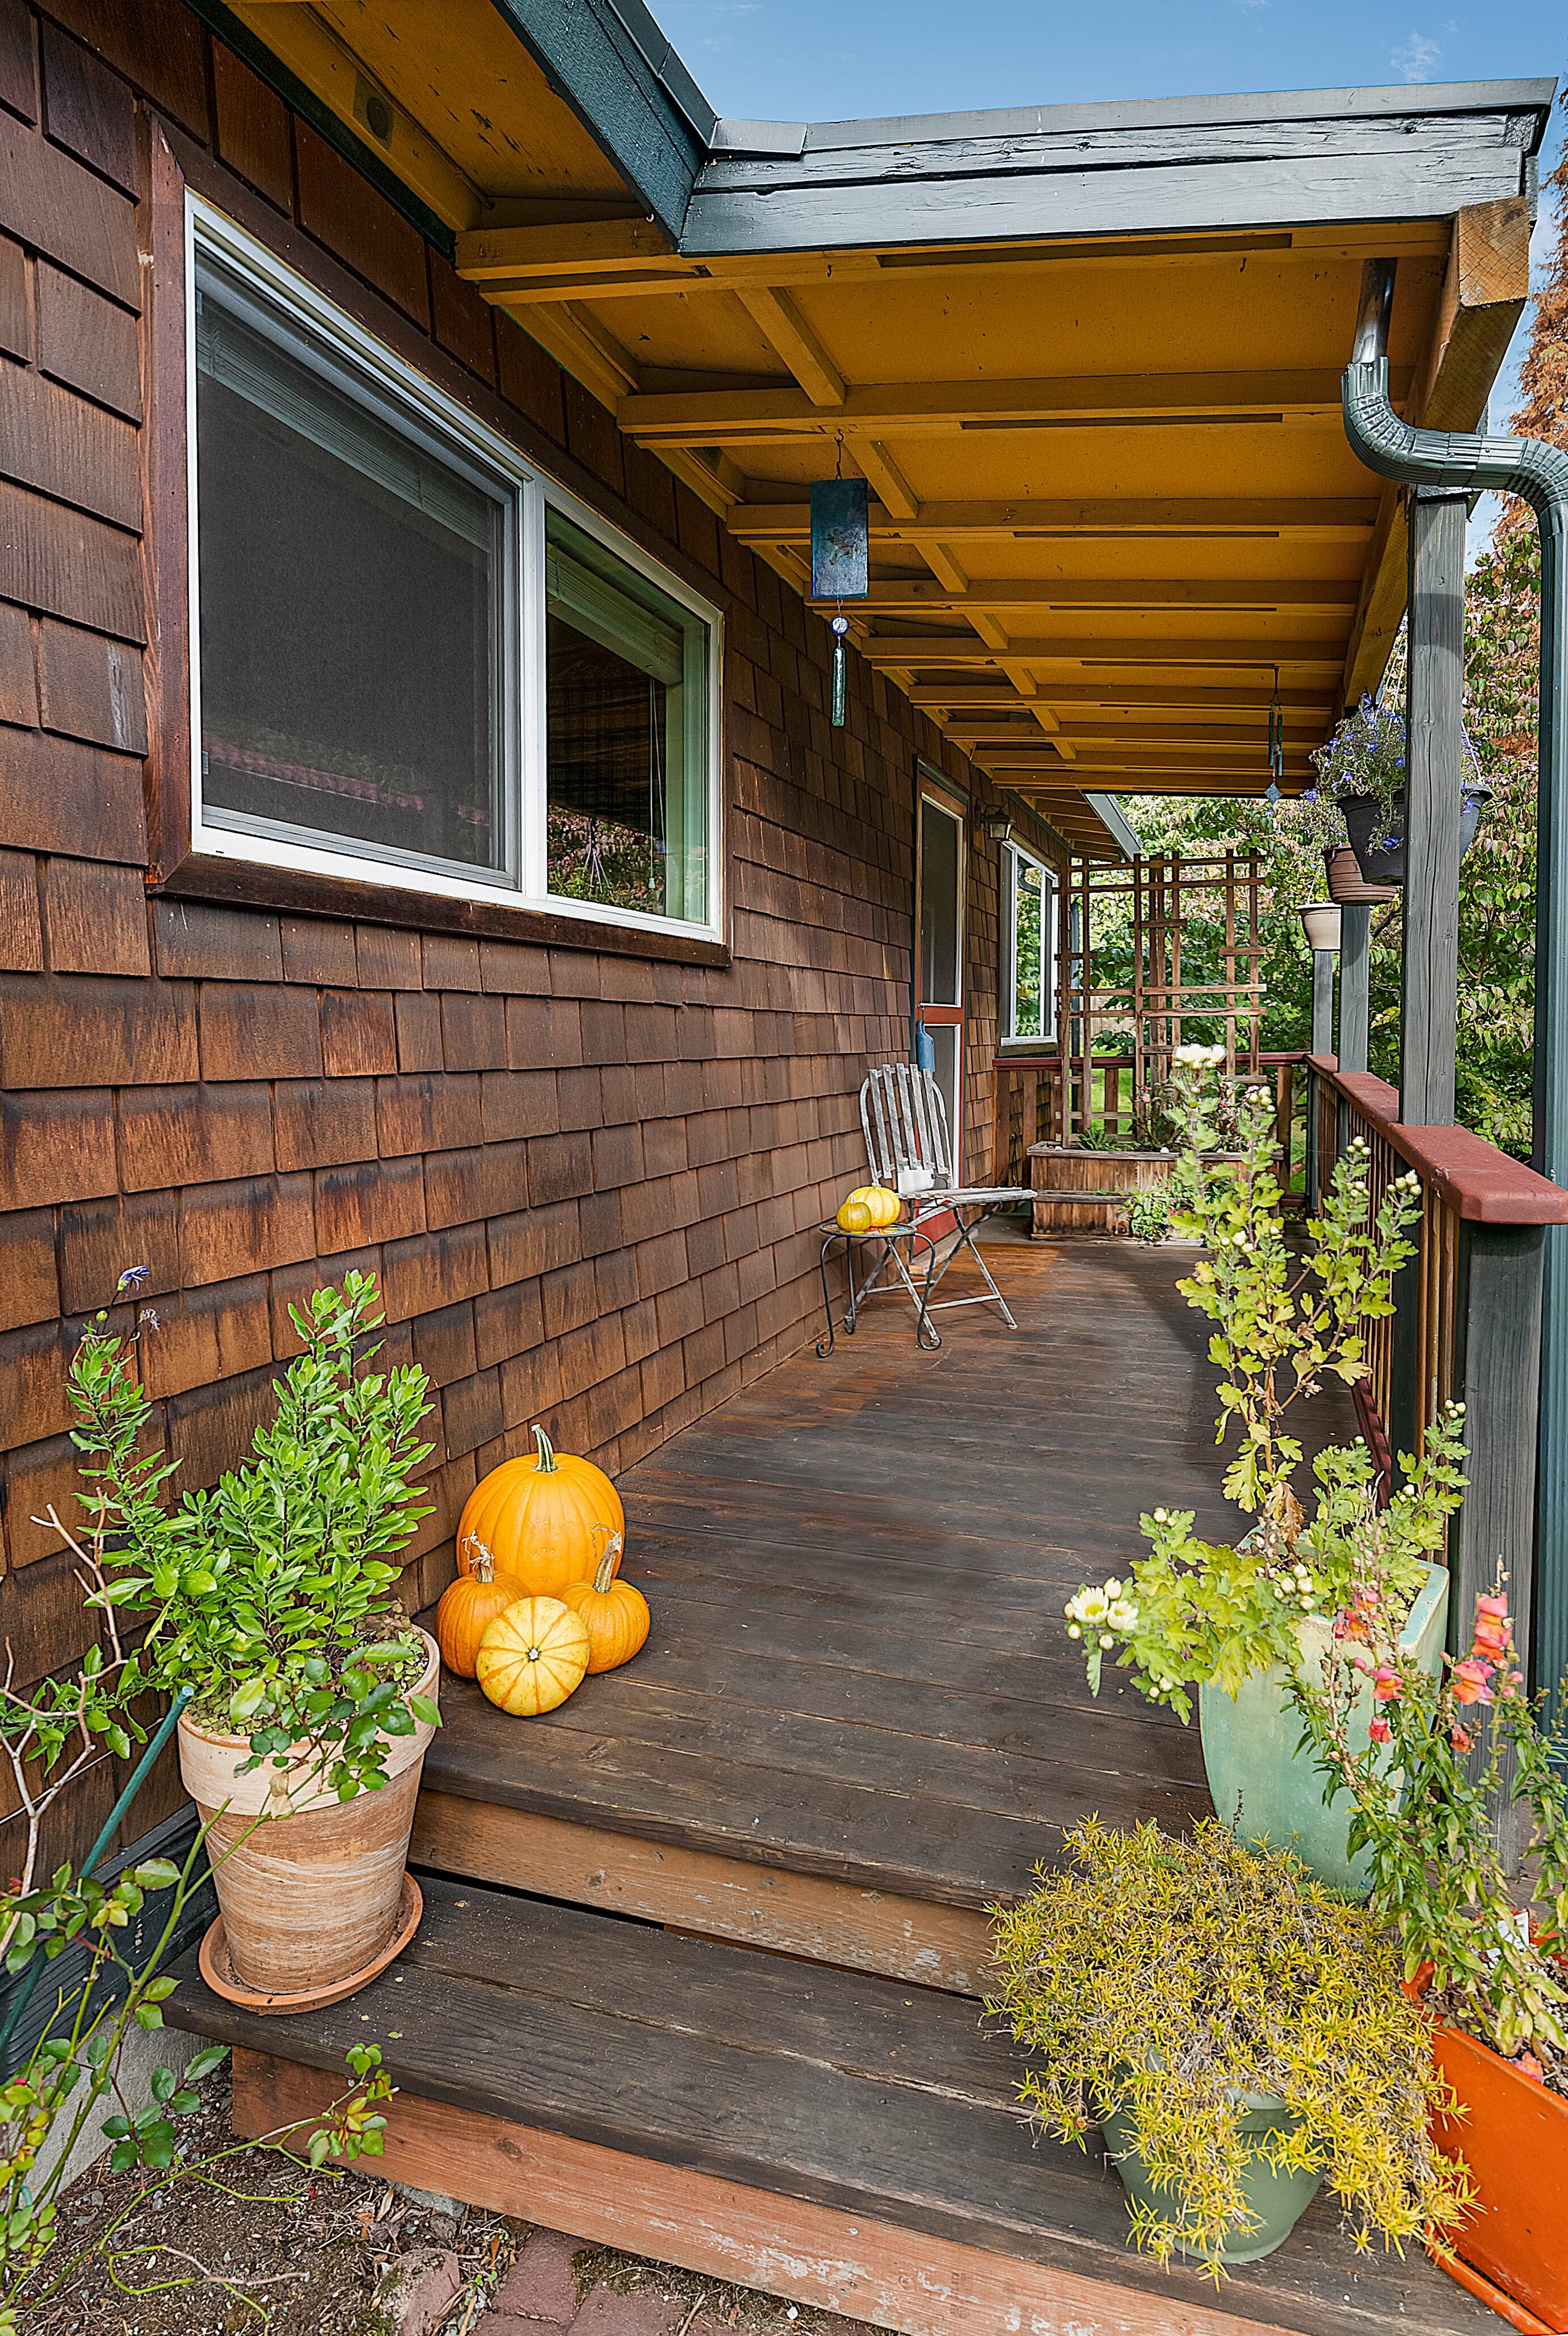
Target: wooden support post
(1496, 1376)
(1435, 690)
(1355, 986)
(1322, 1001)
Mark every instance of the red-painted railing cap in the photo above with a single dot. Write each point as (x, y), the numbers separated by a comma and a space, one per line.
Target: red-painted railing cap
(1469, 1174)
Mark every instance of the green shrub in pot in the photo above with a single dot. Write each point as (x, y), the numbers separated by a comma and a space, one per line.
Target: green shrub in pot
(1238, 2031)
(270, 1593)
(1242, 1620)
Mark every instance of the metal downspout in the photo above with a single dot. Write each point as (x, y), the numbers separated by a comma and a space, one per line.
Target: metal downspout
(1537, 472)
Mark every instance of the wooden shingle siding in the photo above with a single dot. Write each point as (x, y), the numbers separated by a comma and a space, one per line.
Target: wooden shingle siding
(587, 1179)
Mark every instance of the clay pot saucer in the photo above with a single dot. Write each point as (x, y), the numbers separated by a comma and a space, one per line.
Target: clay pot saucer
(223, 1978)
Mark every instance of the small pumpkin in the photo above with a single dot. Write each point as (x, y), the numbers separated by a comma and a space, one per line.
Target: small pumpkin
(538, 1517)
(854, 1217)
(533, 1657)
(468, 1606)
(886, 1208)
(614, 1613)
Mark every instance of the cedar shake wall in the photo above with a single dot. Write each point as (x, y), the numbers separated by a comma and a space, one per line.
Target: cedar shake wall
(586, 1180)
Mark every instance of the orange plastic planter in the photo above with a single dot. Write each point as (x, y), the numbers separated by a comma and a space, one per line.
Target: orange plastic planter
(1515, 2142)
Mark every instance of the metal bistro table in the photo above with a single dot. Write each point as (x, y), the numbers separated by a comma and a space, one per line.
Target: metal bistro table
(891, 1237)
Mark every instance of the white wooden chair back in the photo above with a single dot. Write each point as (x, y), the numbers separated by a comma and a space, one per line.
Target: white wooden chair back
(905, 1122)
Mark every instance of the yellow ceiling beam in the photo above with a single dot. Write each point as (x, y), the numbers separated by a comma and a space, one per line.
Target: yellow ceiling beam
(1341, 520)
(1153, 703)
(884, 475)
(589, 351)
(510, 256)
(491, 256)
(331, 72)
(940, 649)
(914, 595)
(945, 408)
(788, 334)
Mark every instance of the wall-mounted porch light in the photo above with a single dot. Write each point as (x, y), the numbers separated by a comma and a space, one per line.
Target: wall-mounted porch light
(998, 826)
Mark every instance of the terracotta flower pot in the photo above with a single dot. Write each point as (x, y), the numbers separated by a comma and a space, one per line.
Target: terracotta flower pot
(1514, 2141)
(1348, 885)
(313, 1895)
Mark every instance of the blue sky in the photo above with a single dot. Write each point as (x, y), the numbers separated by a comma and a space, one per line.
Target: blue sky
(823, 60)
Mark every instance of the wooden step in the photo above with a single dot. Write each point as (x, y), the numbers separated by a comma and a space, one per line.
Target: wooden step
(845, 2140)
(786, 1807)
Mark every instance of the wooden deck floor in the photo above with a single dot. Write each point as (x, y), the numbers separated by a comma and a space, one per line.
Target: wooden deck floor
(858, 1668)
(857, 1721)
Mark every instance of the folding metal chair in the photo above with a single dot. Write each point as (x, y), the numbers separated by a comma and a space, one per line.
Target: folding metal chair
(905, 1122)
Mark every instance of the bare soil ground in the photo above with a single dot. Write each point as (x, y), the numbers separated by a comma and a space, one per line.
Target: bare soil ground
(260, 2246)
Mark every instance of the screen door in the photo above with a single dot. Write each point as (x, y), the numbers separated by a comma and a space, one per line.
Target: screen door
(941, 970)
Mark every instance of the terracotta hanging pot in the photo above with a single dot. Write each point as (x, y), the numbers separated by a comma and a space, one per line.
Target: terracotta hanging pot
(1347, 884)
(312, 1899)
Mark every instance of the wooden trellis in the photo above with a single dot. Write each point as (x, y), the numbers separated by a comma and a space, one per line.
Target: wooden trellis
(1122, 1032)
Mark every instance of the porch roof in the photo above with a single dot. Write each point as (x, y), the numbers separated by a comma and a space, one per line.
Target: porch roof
(1087, 357)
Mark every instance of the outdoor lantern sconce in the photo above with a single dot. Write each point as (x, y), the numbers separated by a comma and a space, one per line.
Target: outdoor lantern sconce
(998, 827)
(841, 560)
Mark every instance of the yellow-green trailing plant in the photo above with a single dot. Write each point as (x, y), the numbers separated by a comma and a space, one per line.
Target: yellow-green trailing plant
(1171, 1979)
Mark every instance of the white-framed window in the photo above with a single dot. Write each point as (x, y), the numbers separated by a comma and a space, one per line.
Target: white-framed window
(414, 660)
(1028, 948)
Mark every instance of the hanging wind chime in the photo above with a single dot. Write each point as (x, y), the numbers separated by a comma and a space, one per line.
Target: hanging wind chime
(841, 560)
(1276, 745)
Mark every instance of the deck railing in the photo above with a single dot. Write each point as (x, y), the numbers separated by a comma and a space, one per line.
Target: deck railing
(1467, 1324)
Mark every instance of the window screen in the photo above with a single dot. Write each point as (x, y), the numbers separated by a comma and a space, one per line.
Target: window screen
(355, 611)
(626, 695)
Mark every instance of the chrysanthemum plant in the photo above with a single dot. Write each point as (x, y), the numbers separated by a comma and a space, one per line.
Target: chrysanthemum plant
(1170, 1978)
(1197, 1612)
(1457, 1788)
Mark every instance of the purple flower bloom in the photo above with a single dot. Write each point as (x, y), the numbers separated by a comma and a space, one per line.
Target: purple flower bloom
(134, 1278)
(148, 1320)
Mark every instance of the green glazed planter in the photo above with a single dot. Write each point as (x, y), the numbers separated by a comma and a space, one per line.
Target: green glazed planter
(1264, 1789)
(1279, 2200)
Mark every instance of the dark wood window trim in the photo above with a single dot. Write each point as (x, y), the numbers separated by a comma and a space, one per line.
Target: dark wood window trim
(174, 871)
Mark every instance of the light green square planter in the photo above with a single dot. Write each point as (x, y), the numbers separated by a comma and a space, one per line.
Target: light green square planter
(1276, 2197)
(1266, 1789)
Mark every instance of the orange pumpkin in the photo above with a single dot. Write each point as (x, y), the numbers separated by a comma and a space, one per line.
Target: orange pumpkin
(533, 1657)
(467, 1606)
(537, 1517)
(614, 1613)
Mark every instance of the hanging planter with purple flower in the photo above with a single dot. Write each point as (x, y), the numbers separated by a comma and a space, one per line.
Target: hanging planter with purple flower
(1362, 771)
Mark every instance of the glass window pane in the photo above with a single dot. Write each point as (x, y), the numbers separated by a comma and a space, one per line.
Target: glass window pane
(939, 907)
(1028, 954)
(353, 606)
(628, 692)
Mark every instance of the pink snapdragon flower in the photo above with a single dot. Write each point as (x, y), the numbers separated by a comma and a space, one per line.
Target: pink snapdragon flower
(1378, 1731)
(1470, 1681)
(1387, 1684)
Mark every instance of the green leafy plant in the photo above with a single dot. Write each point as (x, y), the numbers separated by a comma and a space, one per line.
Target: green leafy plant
(1168, 1980)
(1195, 1612)
(1148, 1216)
(270, 1594)
(1457, 1787)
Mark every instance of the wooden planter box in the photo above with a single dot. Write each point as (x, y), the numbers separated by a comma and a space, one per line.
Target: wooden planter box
(1059, 1174)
